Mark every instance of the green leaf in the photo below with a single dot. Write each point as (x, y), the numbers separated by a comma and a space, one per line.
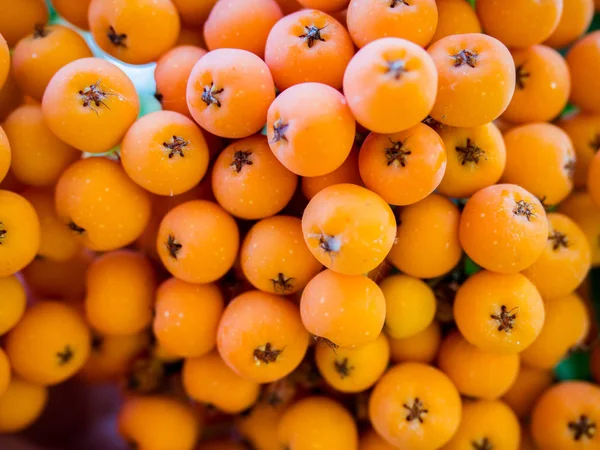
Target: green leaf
(576, 366)
(471, 267)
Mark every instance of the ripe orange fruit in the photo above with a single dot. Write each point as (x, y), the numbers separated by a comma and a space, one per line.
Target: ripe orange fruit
(57, 242)
(346, 310)
(261, 336)
(566, 325)
(5, 155)
(13, 302)
(18, 19)
(158, 422)
(486, 424)
(390, 85)
(120, 293)
(229, 92)
(98, 202)
(370, 440)
(187, 316)
(259, 426)
(89, 104)
(521, 23)
(243, 24)
(580, 207)
(593, 182)
(10, 97)
(308, 46)
(584, 61)
(21, 404)
(249, 182)
(348, 228)
(4, 60)
(194, 12)
(198, 241)
(426, 244)
(134, 31)
(74, 12)
(476, 79)
(38, 56)
(475, 372)
(565, 261)
(317, 422)
(584, 131)
(499, 312)
(566, 417)
(415, 406)
(421, 347)
(274, 257)
(404, 167)
(532, 145)
(209, 380)
(49, 344)
(19, 233)
(165, 153)
(310, 129)
(347, 173)
(529, 385)
(574, 21)
(542, 86)
(353, 370)
(503, 228)
(455, 17)
(38, 157)
(369, 20)
(5, 375)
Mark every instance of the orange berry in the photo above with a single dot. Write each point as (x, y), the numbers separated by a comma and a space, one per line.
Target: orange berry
(499, 312)
(427, 244)
(584, 131)
(390, 85)
(57, 241)
(13, 302)
(475, 372)
(566, 417)
(404, 167)
(209, 380)
(275, 258)
(421, 347)
(4, 60)
(165, 153)
(187, 317)
(353, 370)
(171, 75)
(38, 156)
(528, 147)
(370, 440)
(98, 201)
(194, 12)
(503, 228)
(19, 233)
(261, 336)
(415, 406)
(5, 155)
(308, 46)
(38, 56)
(310, 129)
(574, 21)
(317, 422)
(455, 17)
(49, 344)
(198, 241)
(18, 19)
(529, 385)
(229, 92)
(542, 86)
(348, 228)
(410, 305)
(249, 182)
(593, 182)
(567, 324)
(155, 422)
(521, 23)
(583, 60)
(21, 404)
(259, 426)
(347, 173)
(476, 79)
(580, 207)
(134, 31)
(369, 20)
(4, 373)
(74, 12)
(89, 104)
(120, 293)
(486, 424)
(346, 310)
(565, 261)
(10, 97)
(243, 24)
